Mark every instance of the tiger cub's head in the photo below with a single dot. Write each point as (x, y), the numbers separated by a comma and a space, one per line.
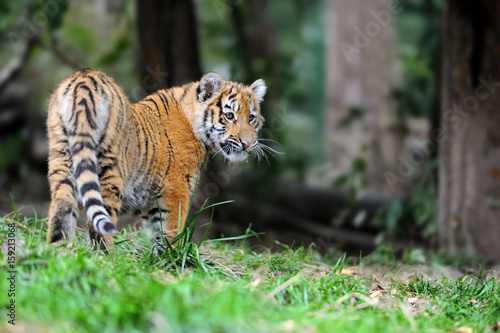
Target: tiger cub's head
(229, 116)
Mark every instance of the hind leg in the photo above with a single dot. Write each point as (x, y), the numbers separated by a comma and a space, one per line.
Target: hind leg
(63, 210)
(111, 191)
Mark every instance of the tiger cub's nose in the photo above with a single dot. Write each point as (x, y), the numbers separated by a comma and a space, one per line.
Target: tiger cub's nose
(245, 144)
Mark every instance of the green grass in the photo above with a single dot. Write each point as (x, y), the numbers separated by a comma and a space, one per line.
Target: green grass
(222, 287)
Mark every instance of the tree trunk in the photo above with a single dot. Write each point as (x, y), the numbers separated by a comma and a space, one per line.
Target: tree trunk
(362, 74)
(469, 189)
(167, 32)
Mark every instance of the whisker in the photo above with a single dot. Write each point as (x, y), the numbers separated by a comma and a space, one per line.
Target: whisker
(257, 154)
(272, 151)
(265, 149)
(273, 141)
(262, 153)
(218, 151)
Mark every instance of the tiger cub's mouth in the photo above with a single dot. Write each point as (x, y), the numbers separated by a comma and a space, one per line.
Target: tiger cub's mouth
(234, 151)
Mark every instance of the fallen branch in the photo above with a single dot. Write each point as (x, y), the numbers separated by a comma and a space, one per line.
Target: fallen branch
(14, 67)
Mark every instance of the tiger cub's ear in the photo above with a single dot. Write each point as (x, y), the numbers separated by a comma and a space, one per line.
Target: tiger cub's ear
(259, 89)
(210, 85)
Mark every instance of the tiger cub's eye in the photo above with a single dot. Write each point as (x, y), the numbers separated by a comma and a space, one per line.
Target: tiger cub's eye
(229, 115)
(251, 117)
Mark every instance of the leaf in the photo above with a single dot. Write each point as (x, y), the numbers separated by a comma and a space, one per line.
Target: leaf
(341, 181)
(464, 329)
(394, 213)
(359, 165)
(112, 57)
(376, 294)
(347, 271)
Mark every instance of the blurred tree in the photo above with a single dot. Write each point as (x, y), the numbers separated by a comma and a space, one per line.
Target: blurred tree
(469, 177)
(362, 73)
(167, 32)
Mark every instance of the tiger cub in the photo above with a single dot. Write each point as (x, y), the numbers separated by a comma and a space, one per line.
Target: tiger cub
(115, 156)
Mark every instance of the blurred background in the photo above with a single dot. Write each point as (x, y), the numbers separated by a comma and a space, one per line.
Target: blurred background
(384, 111)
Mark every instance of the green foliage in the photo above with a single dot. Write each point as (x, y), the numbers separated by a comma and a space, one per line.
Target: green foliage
(416, 213)
(470, 301)
(69, 286)
(419, 30)
(355, 180)
(12, 156)
(181, 252)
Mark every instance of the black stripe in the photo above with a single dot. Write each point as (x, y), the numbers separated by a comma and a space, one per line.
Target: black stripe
(150, 99)
(65, 212)
(156, 210)
(116, 191)
(171, 153)
(97, 224)
(105, 177)
(205, 116)
(104, 154)
(219, 102)
(111, 85)
(57, 237)
(65, 182)
(83, 85)
(145, 131)
(110, 210)
(76, 115)
(146, 144)
(164, 100)
(94, 82)
(84, 165)
(79, 146)
(220, 130)
(96, 214)
(88, 113)
(90, 186)
(173, 97)
(198, 91)
(105, 169)
(93, 202)
(109, 226)
(69, 85)
(90, 95)
(55, 172)
(82, 135)
(186, 91)
(221, 118)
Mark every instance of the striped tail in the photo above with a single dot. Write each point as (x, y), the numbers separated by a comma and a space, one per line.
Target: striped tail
(84, 112)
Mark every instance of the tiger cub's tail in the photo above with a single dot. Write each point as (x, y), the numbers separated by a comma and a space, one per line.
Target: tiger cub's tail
(84, 111)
